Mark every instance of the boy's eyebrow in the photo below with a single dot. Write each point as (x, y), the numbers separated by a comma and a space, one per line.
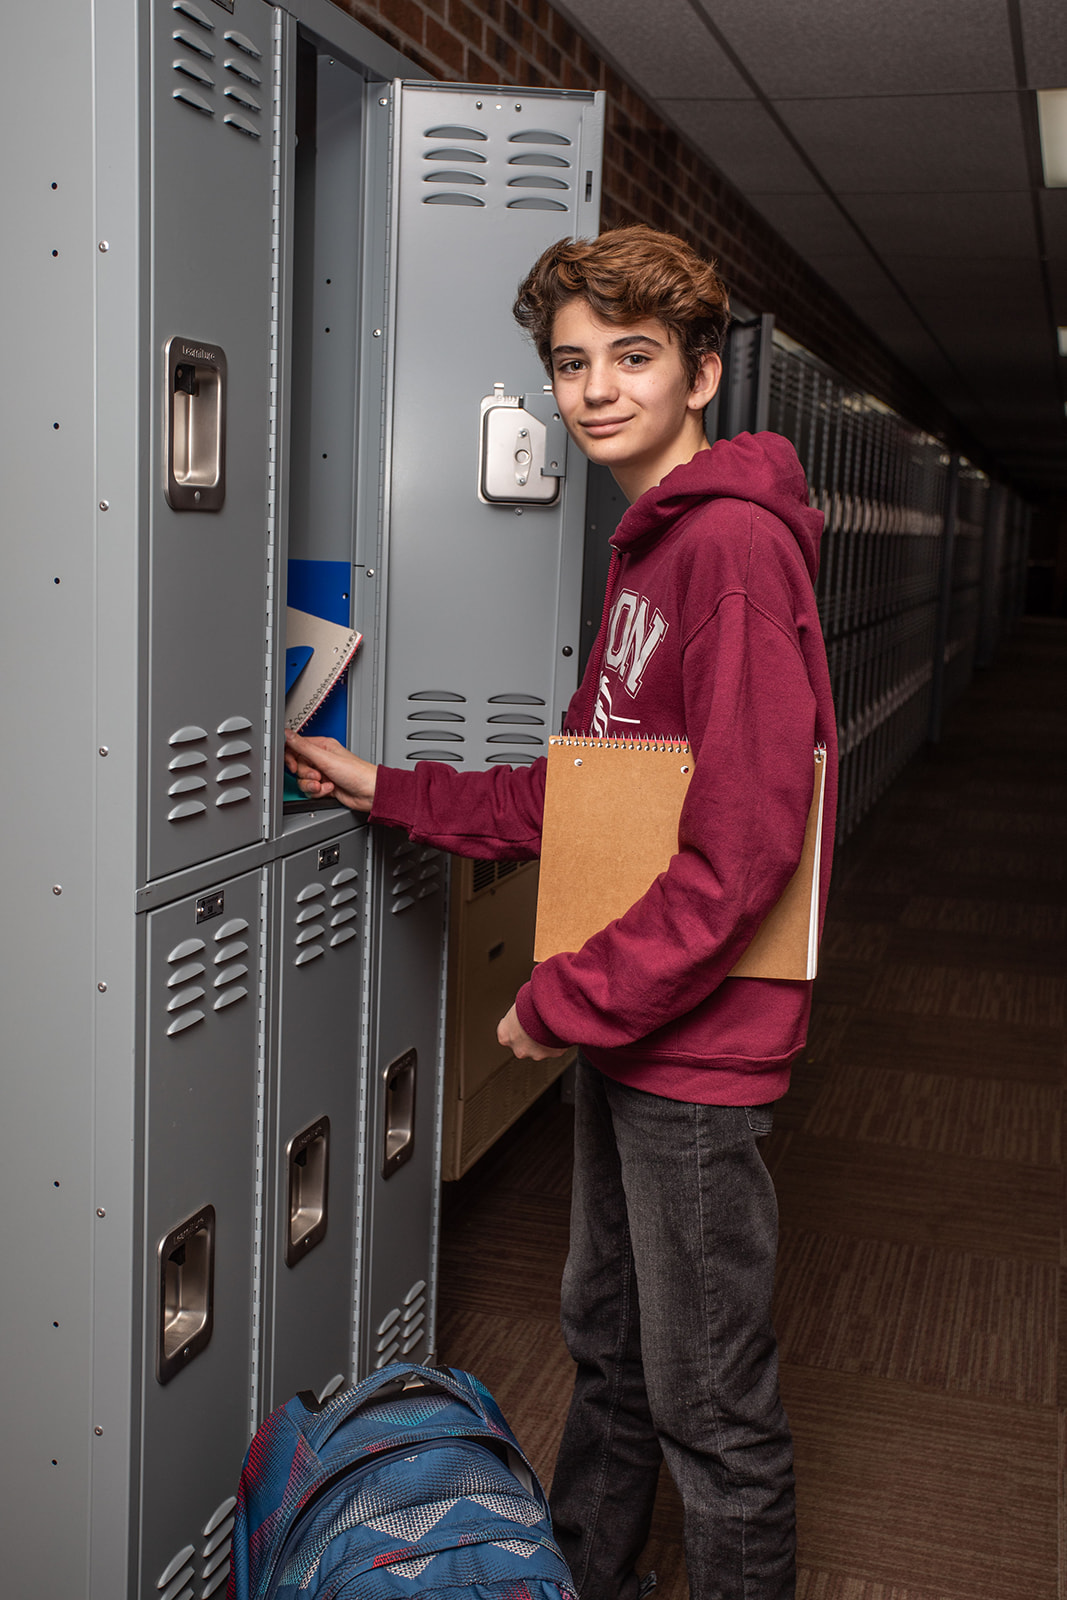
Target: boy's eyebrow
(616, 344)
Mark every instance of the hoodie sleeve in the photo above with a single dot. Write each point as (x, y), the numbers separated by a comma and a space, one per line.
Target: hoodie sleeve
(494, 815)
(750, 712)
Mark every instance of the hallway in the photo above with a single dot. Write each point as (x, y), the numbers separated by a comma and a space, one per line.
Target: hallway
(920, 1177)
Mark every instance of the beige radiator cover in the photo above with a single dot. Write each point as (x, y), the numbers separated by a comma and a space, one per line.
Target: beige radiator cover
(490, 957)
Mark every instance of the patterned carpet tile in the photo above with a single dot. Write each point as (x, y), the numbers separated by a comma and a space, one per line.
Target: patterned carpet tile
(827, 1030)
(525, 1365)
(941, 1319)
(507, 1254)
(950, 1045)
(812, 1585)
(979, 951)
(876, 1191)
(1019, 921)
(899, 1484)
(1027, 999)
(997, 861)
(1007, 877)
(946, 1115)
(854, 941)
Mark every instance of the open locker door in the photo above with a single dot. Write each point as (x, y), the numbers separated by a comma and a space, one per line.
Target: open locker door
(481, 579)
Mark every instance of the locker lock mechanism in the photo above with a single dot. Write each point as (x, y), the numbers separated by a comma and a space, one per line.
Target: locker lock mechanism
(195, 425)
(522, 449)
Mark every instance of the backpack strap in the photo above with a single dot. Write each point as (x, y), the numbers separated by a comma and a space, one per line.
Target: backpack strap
(395, 1379)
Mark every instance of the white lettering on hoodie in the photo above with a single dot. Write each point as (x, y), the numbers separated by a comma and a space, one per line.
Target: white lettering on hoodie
(632, 640)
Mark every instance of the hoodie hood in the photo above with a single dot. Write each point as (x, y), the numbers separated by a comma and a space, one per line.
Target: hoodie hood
(761, 468)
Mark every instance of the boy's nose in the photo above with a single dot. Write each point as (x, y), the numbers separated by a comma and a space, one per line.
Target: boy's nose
(600, 382)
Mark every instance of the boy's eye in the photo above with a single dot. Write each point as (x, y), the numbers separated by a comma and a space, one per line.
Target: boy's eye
(569, 366)
(634, 358)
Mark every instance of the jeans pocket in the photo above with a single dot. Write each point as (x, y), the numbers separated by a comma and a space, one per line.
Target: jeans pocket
(760, 1119)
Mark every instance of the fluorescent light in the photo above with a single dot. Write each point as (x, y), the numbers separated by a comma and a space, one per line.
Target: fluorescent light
(1052, 119)
(1061, 337)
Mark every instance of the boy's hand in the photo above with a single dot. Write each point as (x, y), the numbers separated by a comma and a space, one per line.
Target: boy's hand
(511, 1034)
(323, 767)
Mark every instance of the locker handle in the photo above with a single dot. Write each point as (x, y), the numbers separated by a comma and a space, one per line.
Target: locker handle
(308, 1165)
(186, 1258)
(195, 411)
(398, 1131)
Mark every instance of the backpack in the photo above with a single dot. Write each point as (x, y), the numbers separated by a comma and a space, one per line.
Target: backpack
(410, 1483)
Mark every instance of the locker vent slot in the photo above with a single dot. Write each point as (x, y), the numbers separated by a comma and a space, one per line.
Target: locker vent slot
(192, 41)
(189, 783)
(454, 132)
(454, 177)
(232, 771)
(536, 203)
(187, 9)
(524, 747)
(531, 159)
(452, 196)
(537, 136)
(218, 1516)
(447, 197)
(242, 70)
(416, 875)
(455, 155)
(540, 180)
(484, 874)
(183, 991)
(434, 755)
(213, 1581)
(319, 920)
(170, 1571)
(404, 1327)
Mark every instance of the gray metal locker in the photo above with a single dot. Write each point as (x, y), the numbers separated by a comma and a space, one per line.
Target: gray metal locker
(222, 1115)
(200, 1240)
(312, 1166)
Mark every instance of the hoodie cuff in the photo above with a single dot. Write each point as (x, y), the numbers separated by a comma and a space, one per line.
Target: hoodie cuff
(532, 1024)
(395, 798)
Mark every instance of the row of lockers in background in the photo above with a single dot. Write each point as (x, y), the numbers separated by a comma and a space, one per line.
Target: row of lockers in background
(923, 565)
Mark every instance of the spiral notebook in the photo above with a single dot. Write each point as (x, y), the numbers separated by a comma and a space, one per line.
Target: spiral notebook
(611, 827)
(317, 654)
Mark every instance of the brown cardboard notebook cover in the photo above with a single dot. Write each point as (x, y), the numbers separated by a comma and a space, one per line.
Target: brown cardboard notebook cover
(611, 827)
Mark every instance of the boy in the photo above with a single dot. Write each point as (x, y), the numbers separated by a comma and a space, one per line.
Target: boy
(711, 631)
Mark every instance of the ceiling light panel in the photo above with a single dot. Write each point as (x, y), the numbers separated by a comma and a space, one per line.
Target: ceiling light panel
(1052, 116)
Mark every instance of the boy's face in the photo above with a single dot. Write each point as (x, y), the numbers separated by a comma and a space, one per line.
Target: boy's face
(624, 395)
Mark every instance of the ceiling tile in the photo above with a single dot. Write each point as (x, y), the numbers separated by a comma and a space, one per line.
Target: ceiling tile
(852, 47)
(810, 222)
(956, 226)
(1007, 291)
(925, 143)
(1045, 43)
(664, 49)
(1054, 215)
(739, 138)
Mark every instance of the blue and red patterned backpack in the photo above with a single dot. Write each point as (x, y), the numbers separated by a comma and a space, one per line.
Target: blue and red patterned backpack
(411, 1483)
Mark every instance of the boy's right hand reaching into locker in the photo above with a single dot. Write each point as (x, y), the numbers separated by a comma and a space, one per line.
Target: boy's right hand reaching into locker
(323, 767)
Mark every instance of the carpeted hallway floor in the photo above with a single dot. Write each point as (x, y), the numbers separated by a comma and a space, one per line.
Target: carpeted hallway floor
(920, 1175)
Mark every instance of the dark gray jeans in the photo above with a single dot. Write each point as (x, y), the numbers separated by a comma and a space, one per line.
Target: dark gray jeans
(666, 1310)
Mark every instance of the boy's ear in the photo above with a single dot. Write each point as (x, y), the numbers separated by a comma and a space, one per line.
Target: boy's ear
(707, 382)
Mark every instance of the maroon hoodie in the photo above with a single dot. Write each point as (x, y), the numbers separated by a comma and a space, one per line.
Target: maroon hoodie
(710, 630)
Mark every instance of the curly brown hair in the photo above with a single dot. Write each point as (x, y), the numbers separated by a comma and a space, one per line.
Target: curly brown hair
(626, 275)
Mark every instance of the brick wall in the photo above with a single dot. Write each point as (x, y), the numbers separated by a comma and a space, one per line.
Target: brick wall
(652, 175)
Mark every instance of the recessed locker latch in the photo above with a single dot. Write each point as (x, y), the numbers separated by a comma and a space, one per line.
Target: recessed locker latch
(307, 1161)
(195, 425)
(186, 1293)
(522, 449)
